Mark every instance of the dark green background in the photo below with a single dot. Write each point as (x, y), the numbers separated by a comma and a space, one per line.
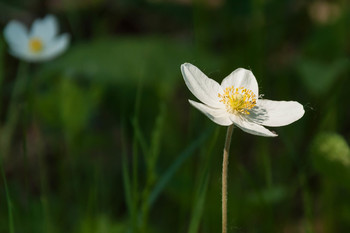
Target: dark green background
(107, 142)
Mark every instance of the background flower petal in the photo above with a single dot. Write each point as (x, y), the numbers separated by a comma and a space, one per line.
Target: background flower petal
(46, 28)
(16, 35)
(204, 88)
(241, 78)
(251, 127)
(56, 47)
(219, 116)
(276, 113)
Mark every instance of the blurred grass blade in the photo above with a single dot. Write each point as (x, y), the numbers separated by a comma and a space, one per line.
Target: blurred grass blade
(2, 51)
(307, 204)
(8, 200)
(198, 205)
(127, 182)
(157, 136)
(151, 161)
(202, 186)
(140, 138)
(135, 157)
(127, 187)
(166, 177)
(13, 110)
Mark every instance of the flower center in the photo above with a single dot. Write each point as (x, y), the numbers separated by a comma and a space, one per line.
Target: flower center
(35, 45)
(238, 100)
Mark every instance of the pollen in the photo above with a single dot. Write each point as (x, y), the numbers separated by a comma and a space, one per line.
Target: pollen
(36, 45)
(238, 100)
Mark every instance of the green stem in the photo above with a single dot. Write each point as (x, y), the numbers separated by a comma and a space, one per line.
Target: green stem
(8, 199)
(11, 120)
(224, 178)
(13, 111)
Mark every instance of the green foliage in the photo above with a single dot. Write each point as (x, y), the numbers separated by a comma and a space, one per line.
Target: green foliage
(320, 77)
(103, 138)
(331, 156)
(123, 60)
(68, 104)
(2, 49)
(269, 196)
(101, 224)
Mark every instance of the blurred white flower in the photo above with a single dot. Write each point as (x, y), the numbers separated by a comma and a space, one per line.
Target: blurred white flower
(41, 43)
(236, 101)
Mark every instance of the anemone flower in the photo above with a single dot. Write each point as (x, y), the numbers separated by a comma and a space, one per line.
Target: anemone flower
(236, 102)
(40, 43)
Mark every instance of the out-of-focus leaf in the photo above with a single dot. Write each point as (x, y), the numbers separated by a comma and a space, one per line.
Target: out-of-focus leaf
(68, 104)
(272, 195)
(169, 173)
(331, 156)
(101, 224)
(318, 76)
(77, 104)
(123, 61)
(199, 204)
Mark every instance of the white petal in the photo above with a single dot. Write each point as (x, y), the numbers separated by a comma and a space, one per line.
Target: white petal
(45, 29)
(276, 113)
(250, 127)
(219, 116)
(204, 88)
(51, 50)
(16, 35)
(241, 78)
(55, 47)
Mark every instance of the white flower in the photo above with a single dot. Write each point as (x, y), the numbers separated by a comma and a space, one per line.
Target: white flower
(236, 101)
(41, 43)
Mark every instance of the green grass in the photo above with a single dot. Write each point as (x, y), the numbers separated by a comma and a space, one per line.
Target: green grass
(102, 139)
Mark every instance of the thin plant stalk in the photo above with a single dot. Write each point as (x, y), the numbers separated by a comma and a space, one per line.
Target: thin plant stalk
(8, 200)
(151, 161)
(13, 112)
(224, 177)
(12, 117)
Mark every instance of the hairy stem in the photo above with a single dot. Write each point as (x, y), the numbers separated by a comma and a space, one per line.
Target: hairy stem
(224, 178)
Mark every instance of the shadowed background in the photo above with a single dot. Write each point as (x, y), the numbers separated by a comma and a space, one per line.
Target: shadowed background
(107, 142)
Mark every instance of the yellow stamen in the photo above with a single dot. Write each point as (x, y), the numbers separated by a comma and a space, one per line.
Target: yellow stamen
(238, 100)
(35, 45)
